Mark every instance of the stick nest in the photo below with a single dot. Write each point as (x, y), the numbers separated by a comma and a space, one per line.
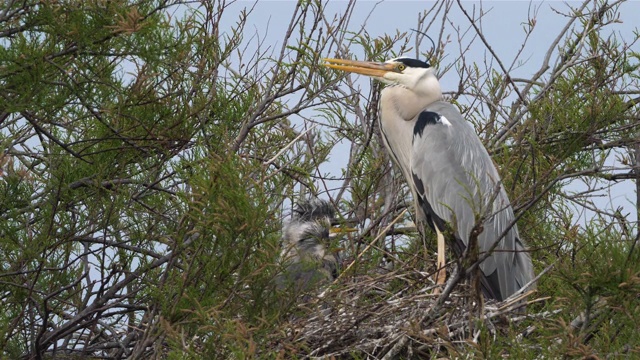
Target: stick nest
(399, 315)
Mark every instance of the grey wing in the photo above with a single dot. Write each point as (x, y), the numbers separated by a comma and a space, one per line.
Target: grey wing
(457, 179)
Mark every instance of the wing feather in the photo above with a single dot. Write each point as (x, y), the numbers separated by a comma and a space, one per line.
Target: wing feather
(457, 183)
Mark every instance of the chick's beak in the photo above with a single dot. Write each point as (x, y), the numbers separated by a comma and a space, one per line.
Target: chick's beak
(337, 231)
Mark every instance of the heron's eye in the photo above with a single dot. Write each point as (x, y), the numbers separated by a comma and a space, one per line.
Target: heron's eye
(401, 67)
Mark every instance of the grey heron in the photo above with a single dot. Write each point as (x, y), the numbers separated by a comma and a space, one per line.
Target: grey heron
(452, 178)
(306, 253)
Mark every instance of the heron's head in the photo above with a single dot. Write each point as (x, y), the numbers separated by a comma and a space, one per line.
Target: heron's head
(415, 75)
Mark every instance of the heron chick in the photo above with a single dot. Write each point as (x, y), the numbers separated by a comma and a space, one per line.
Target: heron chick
(306, 253)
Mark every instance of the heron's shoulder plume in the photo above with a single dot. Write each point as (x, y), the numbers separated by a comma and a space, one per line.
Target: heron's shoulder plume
(426, 118)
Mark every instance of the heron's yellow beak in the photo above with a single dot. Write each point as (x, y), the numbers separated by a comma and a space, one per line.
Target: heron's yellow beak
(360, 67)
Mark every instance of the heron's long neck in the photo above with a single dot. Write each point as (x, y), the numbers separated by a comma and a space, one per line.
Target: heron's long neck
(407, 103)
(398, 110)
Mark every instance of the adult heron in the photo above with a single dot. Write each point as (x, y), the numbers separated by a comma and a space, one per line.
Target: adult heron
(451, 175)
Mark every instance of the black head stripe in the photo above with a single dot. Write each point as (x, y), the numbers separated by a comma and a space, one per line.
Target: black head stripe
(414, 63)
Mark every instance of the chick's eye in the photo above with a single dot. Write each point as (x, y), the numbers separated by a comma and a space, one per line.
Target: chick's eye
(401, 67)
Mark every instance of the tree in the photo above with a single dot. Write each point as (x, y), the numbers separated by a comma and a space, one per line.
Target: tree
(148, 161)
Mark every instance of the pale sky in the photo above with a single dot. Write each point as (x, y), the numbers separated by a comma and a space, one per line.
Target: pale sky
(502, 26)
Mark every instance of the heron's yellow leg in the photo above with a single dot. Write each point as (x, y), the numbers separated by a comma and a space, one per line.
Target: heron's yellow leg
(441, 274)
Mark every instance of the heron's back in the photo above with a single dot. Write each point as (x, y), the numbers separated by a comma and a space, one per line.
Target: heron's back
(462, 187)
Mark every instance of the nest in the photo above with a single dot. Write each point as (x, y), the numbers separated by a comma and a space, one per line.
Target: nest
(401, 315)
